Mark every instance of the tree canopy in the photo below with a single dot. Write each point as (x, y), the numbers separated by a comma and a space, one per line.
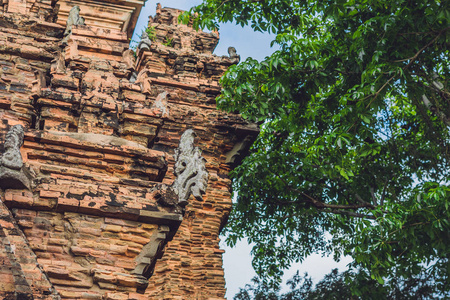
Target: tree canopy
(353, 153)
(347, 285)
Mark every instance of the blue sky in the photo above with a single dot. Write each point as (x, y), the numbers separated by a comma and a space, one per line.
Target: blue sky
(237, 260)
(245, 40)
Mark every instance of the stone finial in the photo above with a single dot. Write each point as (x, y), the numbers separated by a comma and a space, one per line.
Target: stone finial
(189, 169)
(73, 19)
(145, 42)
(234, 57)
(11, 165)
(12, 158)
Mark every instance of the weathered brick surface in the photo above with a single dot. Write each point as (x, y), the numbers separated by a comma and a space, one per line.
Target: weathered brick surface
(21, 276)
(99, 221)
(191, 267)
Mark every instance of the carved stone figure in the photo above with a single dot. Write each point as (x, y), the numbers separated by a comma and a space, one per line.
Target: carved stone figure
(128, 59)
(12, 158)
(133, 77)
(234, 57)
(144, 80)
(73, 19)
(161, 104)
(189, 169)
(145, 43)
(11, 165)
(58, 65)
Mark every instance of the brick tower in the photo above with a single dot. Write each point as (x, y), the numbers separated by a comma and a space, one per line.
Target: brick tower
(113, 166)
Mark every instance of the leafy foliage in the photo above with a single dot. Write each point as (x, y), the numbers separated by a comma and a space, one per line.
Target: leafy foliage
(346, 285)
(353, 155)
(150, 32)
(168, 42)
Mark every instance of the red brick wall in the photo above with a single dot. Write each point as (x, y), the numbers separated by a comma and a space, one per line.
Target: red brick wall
(99, 149)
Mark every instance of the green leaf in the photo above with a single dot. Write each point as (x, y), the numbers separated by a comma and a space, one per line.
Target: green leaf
(344, 174)
(342, 121)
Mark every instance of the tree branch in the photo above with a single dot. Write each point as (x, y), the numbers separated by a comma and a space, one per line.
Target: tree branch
(412, 59)
(360, 200)
(349, 213)
(331, 208)
(218, 7)
(321, 205)
(383, 194)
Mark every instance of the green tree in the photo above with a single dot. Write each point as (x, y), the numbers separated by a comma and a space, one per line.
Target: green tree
(353, 153)
(346, 285)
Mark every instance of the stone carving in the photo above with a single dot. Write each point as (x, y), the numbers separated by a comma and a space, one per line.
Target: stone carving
(11, 165)
(144, 80)
(161, 104)
(133, 77)
(234, 57)
(239, 151)
(145, 42)
(73, 19)
(128, 59)
(190, 170)
(146, 260)
(58, 65)
(12, 158)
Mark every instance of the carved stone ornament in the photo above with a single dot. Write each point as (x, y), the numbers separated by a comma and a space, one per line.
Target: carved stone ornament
(144, 80)
(146, 260)
(12, 171)
(239, 151)
(133, 77)
(189, 169)
(128, 59)
(58, 65)
(234, 57)
(161, 104)
(145, 42)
